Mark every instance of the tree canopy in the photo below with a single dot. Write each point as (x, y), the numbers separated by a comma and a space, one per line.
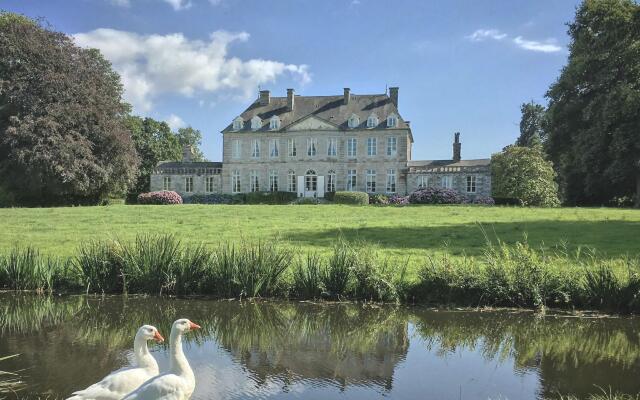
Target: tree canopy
(532, 129)
(522, 173)
(63, 137)
(594, 106)
(191, 137)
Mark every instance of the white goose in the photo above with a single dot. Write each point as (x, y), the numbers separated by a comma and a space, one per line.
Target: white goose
(117, 384)
(179, 382)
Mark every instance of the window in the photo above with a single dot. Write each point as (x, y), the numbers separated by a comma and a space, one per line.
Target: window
(423, 181)
(188, 184)
(392, 146)
(274, 152)
(331, 181)
(371, 181)
(256, 123)
(351, 180)
(372, 146)
(273, 180)
(208, 184)
(354, 121)
(291, 144)
(255, 148)
(238, 123)
(291, 181)
(311, 147)
(166, 183)
(274, 122)
(391, 180)
(392, 121)
(332, 147)
(254, 183)
(447, 182)
(235, 182)
(351, 147)
(311, 181)
(235, 148)
(471, 184)
(372, 121)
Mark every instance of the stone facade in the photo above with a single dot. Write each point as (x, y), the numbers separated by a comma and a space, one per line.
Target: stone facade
(349, 142)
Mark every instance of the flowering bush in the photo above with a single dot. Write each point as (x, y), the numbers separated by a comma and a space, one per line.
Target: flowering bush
(163, 197)
(432, 195)
(399, 200)
(483, 200)
(209, 199)
(379, 199)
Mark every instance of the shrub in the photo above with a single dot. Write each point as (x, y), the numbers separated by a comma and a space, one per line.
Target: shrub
(329, 196)
(399, 200)
(379, 199)
(161, 198)
(214, 198)
(357, 198)
(483, 200)
(266, 197)
(433, 195)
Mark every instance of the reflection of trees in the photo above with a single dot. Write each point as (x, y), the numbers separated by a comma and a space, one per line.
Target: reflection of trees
(572, 354)
(342, 343)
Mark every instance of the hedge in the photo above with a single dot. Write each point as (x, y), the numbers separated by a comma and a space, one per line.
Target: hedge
(163, 197)
(358, 198)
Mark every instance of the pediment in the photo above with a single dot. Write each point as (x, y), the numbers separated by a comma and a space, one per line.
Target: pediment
(312, 124)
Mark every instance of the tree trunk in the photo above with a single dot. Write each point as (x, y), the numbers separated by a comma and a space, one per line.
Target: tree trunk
(638, 190)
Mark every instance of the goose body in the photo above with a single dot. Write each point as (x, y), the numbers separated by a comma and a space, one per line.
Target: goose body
(179, 382)
(119, 383)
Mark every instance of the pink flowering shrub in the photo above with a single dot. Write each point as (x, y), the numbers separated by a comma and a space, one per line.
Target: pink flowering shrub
(162, 197)
(399, 200)
(483, 200)
(432, 195)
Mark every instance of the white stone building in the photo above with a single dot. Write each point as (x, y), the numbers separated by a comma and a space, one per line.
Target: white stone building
(311, 145)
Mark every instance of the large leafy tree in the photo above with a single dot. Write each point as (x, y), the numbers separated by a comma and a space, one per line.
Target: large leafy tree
(191, 137)
(154, 142)
(62, 133)
(522, 173)
(594, 106)
(532, 125)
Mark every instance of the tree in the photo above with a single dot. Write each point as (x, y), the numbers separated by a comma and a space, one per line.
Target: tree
(62, 132)
(532, 132)
(522, 173)
(594, 106)
(154, 142)
(191, 137)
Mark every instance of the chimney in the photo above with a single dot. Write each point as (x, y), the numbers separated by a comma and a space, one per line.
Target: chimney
(347, 95)
(393, 94)
(187, 152)
(290, 99)
(265, 97)
(457, 147)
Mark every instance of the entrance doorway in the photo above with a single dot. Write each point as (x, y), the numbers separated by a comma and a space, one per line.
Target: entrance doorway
(310, 183)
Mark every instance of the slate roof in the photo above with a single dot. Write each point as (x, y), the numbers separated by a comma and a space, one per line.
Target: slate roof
(328, 108)
(189, 164)
(432, 164)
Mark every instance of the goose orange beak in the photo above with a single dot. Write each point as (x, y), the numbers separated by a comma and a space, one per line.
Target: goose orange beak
(158, 337)
(193, 326)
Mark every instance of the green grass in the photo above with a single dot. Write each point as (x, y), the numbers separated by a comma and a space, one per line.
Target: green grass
(399, 231)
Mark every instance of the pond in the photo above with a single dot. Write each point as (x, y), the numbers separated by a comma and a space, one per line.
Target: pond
(286, 350)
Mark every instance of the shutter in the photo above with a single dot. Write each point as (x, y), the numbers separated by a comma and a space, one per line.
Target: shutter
(300, 186)
(320, 186)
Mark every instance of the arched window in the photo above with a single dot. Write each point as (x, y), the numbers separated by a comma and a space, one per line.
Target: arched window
(311, 181)
(274, 123)
(256, 123)
(392, 121)
(372, 121)
(238, 124)
(354, 121)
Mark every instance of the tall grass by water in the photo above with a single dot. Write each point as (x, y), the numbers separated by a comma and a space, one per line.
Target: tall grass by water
(517, 275)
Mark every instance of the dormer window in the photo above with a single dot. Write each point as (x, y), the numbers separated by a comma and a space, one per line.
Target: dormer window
(274, 123)
(372, 121)
(354, 121)
(256, 123)
(392, 121)
(238, 124)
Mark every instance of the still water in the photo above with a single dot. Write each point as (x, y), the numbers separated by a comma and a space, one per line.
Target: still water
(286, 350)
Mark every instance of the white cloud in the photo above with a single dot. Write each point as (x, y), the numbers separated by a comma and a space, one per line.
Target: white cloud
(152, 65)
(548, 46)
(179, 4)
(482, 34)
(175, 122)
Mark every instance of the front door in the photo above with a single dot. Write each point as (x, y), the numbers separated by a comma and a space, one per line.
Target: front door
(310, 183)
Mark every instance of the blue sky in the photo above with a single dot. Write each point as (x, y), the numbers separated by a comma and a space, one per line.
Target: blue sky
(461, 65)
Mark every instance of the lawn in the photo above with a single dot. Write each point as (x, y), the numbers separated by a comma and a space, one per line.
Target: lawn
(399, 231)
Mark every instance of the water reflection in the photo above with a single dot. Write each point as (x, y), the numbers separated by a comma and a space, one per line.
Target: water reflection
(281, 350)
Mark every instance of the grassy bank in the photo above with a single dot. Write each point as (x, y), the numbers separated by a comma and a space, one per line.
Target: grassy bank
(502, 275)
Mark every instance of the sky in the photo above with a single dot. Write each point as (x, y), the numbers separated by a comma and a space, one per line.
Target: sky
(461, 65)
